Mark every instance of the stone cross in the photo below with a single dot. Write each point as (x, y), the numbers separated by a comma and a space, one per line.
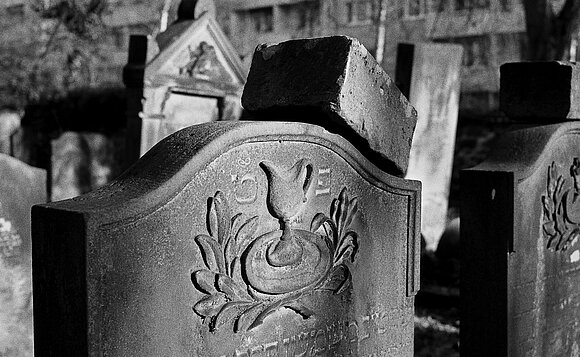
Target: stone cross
(520, 223)
(428, 74)
(239, 239)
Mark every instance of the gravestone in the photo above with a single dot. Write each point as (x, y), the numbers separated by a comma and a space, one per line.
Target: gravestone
(520, 224)
(21, 186)
(9, 123)
(428, 74)
(233, 239)
(82, 162)
(196, 77)
(78, 155)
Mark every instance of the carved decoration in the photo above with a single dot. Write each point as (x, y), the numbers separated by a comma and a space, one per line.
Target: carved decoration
(10, 240)
(204, 64)
(250, 276)
(561, 219)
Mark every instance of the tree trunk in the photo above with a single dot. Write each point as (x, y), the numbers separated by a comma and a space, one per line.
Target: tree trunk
(550, 34)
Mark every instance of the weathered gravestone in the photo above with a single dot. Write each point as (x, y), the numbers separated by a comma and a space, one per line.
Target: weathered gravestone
(196, 77)
(233, 239)
(82, 162)
(520, 228)
(428, 74)
(21, 186)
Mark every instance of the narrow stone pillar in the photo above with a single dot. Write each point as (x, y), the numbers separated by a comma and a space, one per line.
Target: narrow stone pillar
(429, 75)
(133, 75)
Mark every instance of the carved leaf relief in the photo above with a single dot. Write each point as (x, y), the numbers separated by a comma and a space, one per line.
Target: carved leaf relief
(561, 211)
(249, 276)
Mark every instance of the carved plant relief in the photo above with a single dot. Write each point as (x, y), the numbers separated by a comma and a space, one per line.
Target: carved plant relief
(10, 240)
(561, 218)
(251, 275)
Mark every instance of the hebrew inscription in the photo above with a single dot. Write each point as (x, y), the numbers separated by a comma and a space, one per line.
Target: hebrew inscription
(325, 339)
(249, 275)
(561, 218)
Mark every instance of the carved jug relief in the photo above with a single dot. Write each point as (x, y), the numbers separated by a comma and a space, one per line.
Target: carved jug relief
(250, 274)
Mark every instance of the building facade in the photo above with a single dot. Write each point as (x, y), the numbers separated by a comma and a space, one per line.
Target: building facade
(492, 32)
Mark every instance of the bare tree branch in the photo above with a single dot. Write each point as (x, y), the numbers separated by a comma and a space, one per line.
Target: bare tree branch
(550, 34)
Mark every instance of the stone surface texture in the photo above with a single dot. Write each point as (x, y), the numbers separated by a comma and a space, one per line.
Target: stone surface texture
(540, 91)
(21, 186)
(232, 239)
(196, 77)
(520, 265)
(336, 83)
(434, 92)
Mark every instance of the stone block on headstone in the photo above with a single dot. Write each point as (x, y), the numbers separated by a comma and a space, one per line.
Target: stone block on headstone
(429, 75)
(540, 91)
(520, 242)
(21, 187)
(336, 83)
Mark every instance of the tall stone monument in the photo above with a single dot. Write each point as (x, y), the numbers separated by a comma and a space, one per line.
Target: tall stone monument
(21, 186)
(235, 239)
(520, 223)
(196, 77)
(428, 74)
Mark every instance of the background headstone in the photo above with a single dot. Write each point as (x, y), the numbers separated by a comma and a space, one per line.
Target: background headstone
(182, 255)
(21, 186)
(82, 162)
(428, 74)
(540, 91)
(520, 224)
(336, 83)
(52, 136)
(9, 123)
(196, 77)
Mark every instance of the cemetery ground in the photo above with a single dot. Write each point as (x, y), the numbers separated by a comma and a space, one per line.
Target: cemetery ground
(437, 308)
